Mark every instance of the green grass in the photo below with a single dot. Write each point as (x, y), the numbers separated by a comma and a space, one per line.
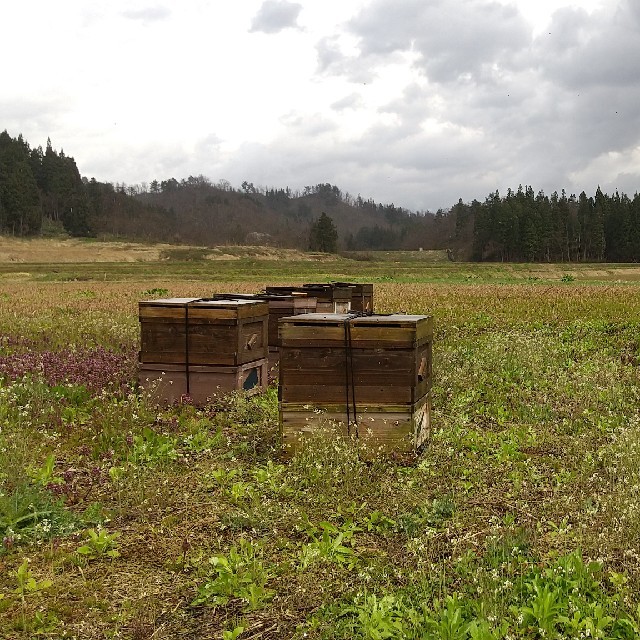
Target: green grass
(251, 264)
(519, 519)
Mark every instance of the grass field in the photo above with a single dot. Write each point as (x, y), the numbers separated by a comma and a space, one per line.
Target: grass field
(521, 519)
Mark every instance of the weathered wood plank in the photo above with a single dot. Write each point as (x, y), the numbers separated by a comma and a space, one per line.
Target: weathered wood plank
(361, 294)
(379, 428)
(167, 384)
(330, 298)
(232, 334)
(327, 375)
(198, 309)
(280, 306)
(393, 331)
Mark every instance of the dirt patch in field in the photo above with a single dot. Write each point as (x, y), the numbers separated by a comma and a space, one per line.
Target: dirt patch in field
(74, 250)
(39, 250)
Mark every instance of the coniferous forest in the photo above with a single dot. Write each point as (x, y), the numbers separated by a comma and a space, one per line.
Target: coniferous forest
(42, 191)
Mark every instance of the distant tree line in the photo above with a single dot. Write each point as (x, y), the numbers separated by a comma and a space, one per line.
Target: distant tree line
(44, 186)
(36, 185)
(525, 226)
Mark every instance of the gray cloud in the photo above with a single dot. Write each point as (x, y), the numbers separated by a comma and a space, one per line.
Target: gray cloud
(452, 41)
(625, 182)
(275, 16)
(601, 50)
(148, 14)
(43, 115)
(352, 101)
(511, 109)
(333, 62)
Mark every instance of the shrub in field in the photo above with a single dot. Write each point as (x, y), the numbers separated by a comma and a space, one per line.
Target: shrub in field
(95, 369)
(29, 513)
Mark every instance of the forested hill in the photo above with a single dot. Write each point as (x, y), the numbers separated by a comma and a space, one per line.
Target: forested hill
(42, 191)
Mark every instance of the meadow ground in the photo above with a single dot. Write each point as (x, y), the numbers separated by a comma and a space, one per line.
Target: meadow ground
(520, 519)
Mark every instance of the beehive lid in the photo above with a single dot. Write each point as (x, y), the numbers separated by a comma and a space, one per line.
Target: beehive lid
(176, 307)
(278, 290)
(229, 308)
(329, 291)
(330, 329)
(260, 296)
(359, 286)
(167, 302)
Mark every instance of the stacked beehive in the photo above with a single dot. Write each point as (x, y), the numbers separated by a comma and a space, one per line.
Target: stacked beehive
(361, 299)
(280, 306)
(368, 376)
(200, 347)
(331, 298)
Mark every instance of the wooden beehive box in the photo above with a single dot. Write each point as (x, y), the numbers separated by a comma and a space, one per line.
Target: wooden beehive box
(376, 359)
(338, 364)
(203, 332)
(330, 298)
(392, 331)
(285, 306)
(361, 295)
(381, 428)
(169, 383)
(280, 306)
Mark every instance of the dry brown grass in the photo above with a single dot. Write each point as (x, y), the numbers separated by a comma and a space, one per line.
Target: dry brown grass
(75, 250)
(45, 250)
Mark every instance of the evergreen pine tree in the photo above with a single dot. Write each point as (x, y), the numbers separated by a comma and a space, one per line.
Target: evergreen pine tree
(323, 235)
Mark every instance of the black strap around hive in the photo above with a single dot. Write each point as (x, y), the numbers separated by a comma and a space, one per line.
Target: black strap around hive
(350, 386)
(349, 370)
(186, 341)
(186, 346)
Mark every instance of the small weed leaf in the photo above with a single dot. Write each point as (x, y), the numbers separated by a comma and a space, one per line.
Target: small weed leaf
(232, 634)
(100, 543)
(27, 584)
(423, 517)
(152, 448)
(545, 612)
(480, 631)
(156, 292)
(29, 512)
(377, 522)
(380, 618)
(44, 475)
(448, 622)
(44, 623)
(241, 574)
(272, 478)
(201, 440)
(223, 477)
(330, 546)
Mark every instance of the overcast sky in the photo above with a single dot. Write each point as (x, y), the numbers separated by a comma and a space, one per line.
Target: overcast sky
(415, 102)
